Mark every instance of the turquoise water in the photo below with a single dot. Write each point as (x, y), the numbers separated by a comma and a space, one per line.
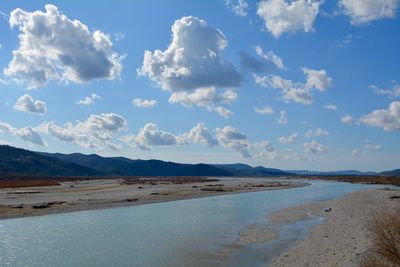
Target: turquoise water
(196, 232)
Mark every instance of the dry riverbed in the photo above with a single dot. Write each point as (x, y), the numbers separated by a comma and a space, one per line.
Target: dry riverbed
(342, 239)
(78, 195)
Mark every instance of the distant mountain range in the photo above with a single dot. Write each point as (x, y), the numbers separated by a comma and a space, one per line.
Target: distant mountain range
(20, 163)
(332, 173)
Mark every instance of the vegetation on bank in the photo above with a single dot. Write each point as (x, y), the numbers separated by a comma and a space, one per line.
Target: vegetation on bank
(384, 229)
(386, 180)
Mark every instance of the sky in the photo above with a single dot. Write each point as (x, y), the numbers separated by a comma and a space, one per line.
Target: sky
(301, 84)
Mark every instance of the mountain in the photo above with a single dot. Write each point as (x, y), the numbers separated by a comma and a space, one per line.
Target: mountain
(240, 169)
(332, 173)
(16, 162)
(20, 163)
(119, 166)
(391, 173)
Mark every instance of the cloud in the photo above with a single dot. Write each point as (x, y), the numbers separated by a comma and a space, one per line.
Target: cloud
(317, 79)
(316, 133)
(208, 98)
(231, 137)
(281, 17)
(282, 119)
(372, 146)
(193, 59)
(366, 148)
(5, 127)
(315, 147)
(119, 36)
(53, 47)
(30, 135)
(239, 7)
(193, 63)
(150, 135)
(201, 135)
(89, 100)
(267, 61)
(392, 93)
(144, 103)
(291, 139)
(330, 106)
(270, 56)
(388, 119)
(26, 133)
(356, 152)
(267, 110)
(262, 81)
(27, 104)
(296, 91)
(265, 150)
(96, 132)
(347, 40)
(364, 11)
(347, 119)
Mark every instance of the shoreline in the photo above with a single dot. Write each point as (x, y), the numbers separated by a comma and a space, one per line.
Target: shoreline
(342, 238)
(81, 195)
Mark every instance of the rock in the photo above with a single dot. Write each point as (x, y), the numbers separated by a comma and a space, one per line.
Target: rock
(41, 206)
(328, 209)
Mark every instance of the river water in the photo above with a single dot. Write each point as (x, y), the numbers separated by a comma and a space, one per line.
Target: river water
(195, 232)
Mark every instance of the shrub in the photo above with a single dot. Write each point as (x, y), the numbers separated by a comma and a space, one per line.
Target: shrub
(385, 232)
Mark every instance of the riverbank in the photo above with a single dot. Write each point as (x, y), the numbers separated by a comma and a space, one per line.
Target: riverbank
(67, 196)
(342, 239)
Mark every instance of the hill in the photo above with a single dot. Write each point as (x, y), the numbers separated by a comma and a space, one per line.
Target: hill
(16, 162)
(119, 166)
(240, 169)
(395, 172)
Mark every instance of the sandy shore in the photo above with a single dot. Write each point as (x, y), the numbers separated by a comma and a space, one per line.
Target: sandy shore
(106, 193)
(342, 239)
(257, 234)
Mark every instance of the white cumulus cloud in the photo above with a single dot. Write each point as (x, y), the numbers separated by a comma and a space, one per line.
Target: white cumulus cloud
(270, 56)
(315, 147)
(144, 103)
(201, 135)
(282, 16)
(30, 135)
(388, 119)
(193, 61)
(208, 98)
(267, 110)
(239, 7)
(27, 104)
(392, 93)
(347, 119)
(365, 11)
(282, 118)
(232, 138)
(291, 139)
(96, 132)
(149, 135)
(330, 106)
(265, 149)
(316, 133)
(89, 100)
(296, 91)
(54, 47)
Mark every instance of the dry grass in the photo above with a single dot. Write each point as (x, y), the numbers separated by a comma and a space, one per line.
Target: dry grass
(387, 180)
(384, 229)
(27, 183)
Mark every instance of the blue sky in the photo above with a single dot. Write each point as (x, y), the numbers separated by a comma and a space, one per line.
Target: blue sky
(301, 84)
